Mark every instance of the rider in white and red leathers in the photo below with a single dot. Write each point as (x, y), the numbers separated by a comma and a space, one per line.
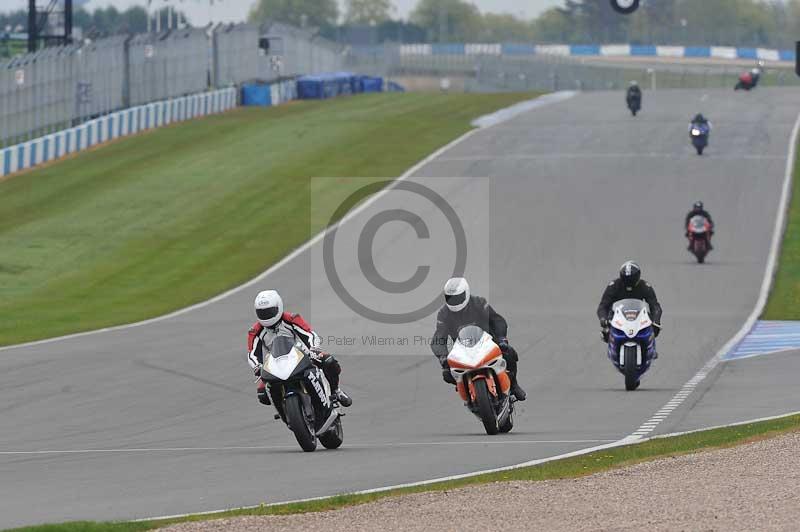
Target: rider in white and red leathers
(272, 322)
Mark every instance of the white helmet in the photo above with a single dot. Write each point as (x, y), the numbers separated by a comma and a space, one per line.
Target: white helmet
(634, 83)
(456, 293)
(269, 307)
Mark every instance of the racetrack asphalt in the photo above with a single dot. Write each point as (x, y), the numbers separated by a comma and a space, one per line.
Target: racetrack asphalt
(162, 419)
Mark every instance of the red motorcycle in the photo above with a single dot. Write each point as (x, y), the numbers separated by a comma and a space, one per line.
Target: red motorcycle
(699, 233)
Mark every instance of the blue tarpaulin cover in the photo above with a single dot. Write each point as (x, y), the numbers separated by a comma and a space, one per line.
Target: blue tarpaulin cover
(323, 86)
(256, 94)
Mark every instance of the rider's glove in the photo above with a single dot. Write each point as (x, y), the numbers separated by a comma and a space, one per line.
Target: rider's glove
(502, 342)
(656, 329)
(447, 376)
(316, 354)
(604, 330)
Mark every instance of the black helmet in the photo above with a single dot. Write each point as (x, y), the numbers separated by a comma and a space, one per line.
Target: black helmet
(698, 205)
(699, 118)
(630, 274)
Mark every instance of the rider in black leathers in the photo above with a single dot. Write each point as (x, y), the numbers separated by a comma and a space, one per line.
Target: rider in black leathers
(699, 210)
(462, 309)
(634, 93)
(629, 285)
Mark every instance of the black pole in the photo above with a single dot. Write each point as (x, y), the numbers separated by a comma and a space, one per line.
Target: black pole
(67, 21)
(33, 31)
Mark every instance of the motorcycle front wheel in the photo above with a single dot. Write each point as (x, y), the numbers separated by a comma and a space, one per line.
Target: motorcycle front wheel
(299, 423)
(631, 374)
(485, 407)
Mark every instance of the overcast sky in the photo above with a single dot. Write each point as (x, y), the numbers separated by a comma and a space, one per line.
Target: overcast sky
(232, 10)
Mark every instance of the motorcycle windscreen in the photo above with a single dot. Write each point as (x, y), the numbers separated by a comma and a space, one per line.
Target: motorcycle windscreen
(631, 308)
(281, 346)
(470, 336)
(698, 224)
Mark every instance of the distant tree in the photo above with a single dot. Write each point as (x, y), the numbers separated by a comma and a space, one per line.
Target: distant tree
(448, 20)
(554, 26)
(316, 13)
(368, 11)
(505, 28)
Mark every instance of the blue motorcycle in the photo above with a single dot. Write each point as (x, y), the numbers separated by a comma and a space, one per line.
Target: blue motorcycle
(631, 340)
(699, 132)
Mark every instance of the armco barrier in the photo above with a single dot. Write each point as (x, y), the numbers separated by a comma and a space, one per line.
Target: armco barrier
(607, 50)
(114, 125)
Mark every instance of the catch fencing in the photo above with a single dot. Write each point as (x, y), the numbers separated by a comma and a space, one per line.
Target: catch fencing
(61, 87)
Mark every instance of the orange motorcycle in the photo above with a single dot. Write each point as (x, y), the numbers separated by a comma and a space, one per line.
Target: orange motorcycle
(479, 369)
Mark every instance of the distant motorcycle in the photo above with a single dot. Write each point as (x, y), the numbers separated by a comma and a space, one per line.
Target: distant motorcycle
(748, 80)
(479, 369)
(634, 104)
(631, 340)
(699, 231)
(699, 135)
(302, 395)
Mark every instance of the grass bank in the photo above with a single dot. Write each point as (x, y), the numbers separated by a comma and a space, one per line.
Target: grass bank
(166, 219)
(784, 299)
(579, 466)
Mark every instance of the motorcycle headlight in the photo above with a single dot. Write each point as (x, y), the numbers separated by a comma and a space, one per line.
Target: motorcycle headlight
(696, 132)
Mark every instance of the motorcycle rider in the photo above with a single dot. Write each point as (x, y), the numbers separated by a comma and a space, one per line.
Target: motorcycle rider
(272, 322)
(462, 309)
(634, 93)
(699, 119)
(629, 285)
(699, 210)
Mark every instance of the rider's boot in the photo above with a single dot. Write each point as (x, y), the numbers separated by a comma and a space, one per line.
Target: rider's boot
(516, 389)
(343, 398)
(263, 395)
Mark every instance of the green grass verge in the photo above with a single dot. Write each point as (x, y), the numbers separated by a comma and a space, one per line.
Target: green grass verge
(784, 299)
(159, 221)
(579, 466)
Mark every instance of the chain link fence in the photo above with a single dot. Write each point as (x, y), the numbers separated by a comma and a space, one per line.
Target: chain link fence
(64, 86)
(291, 51)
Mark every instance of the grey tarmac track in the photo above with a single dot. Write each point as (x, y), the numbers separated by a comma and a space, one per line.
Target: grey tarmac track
(162, 419)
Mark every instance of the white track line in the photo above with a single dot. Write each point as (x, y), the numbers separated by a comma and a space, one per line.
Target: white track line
(537, 103)
(558, 156)
(145, 450)
(618, 443)
(766, 283)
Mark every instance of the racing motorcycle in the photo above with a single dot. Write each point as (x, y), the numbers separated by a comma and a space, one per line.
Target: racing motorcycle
(301, 394)
(699, 135)
(699, 231)
(479, 369)
(631, 340)
(634, 104)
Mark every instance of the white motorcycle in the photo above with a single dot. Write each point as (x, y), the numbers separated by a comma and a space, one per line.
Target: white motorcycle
(631, 340)
(301, 394)
(479, 369)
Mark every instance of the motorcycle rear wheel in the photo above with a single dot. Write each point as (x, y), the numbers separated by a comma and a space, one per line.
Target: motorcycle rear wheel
(334, 437)
(299, 423)
(631, 374)
(485, 407)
